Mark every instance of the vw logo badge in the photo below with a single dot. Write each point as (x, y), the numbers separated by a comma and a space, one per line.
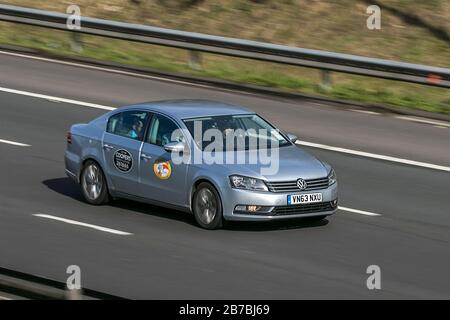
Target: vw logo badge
(301, 184)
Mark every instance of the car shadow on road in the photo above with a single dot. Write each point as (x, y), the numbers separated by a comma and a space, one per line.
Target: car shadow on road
(276, 225)
(65, 186)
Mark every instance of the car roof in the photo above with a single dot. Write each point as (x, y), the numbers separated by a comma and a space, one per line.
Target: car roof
(183, 109)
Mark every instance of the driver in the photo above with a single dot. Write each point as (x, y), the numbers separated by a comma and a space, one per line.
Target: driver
(228, 126)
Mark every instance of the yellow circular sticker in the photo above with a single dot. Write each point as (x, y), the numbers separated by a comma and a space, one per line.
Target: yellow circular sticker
(162, 169)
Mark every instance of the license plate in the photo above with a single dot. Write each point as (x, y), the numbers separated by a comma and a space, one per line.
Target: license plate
(304, 198)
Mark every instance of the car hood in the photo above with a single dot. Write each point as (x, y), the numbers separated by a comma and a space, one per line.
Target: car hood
(291, 163)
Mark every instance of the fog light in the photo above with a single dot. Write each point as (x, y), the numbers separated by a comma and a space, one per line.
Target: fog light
(253, 208)
(250, 209)
(334, 203)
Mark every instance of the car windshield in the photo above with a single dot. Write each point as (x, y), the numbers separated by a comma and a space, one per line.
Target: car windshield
(234, 132)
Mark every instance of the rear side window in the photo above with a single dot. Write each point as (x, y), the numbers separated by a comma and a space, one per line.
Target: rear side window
(130, 124)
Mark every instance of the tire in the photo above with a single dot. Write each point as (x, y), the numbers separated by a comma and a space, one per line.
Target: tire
(93, 184)
(207, 207)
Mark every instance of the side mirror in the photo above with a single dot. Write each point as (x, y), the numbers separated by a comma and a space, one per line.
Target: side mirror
(292, 137)
(174, 147)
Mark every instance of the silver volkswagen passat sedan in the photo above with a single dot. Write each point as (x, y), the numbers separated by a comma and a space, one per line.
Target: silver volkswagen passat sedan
(215, 160)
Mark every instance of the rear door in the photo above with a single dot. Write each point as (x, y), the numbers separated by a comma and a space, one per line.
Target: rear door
(122, 142)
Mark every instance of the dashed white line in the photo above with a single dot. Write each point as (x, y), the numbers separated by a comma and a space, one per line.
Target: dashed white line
(366, 213)
(58, 99)
(110, 70)
(426, 121)
(14, 143)
(374, 156)
(365, 111)
(82, 224)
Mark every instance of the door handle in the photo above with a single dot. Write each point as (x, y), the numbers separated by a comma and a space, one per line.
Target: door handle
(108, 147)
(145, 157)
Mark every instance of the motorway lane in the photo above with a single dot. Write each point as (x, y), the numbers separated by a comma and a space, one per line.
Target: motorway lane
(169, 257)
(310, 121)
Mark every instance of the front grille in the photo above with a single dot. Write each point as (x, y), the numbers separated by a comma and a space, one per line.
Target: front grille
(302, 209)
(291, 186)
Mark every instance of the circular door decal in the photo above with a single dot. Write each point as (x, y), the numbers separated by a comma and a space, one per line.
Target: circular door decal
(162, 169)
(123, 160)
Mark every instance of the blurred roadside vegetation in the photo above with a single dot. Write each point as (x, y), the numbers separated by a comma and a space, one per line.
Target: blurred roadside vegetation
(408, 33)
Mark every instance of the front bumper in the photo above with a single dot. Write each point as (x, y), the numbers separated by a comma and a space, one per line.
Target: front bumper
(275, 204)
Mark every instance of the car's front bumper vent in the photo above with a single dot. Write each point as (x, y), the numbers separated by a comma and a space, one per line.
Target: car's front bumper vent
(303, 209)
(291, 186)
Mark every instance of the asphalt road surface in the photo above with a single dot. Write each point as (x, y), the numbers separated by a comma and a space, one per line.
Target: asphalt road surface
(401, 223)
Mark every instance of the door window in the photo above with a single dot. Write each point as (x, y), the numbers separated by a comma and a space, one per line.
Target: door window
(162, 131)
(130, 124)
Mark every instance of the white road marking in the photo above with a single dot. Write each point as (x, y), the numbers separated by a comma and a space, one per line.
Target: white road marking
(4, 298)
(426, 121)
(366, 213)
(365, 111)
(142, 75)
(304, 143)
(87, 225)
(15, 143)
(375, 156)
(57, 99)
(111, 70)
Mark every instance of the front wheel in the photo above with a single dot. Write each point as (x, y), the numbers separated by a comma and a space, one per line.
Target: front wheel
(93, 184)
(207, 207)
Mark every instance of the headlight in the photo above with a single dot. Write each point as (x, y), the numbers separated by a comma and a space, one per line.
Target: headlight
(246, 183)
(332, 177)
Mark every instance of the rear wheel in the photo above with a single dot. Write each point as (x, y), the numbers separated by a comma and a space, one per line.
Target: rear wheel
(207, 207)
(93, 184)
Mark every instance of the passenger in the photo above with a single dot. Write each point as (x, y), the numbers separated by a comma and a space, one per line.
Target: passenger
(136, 130)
